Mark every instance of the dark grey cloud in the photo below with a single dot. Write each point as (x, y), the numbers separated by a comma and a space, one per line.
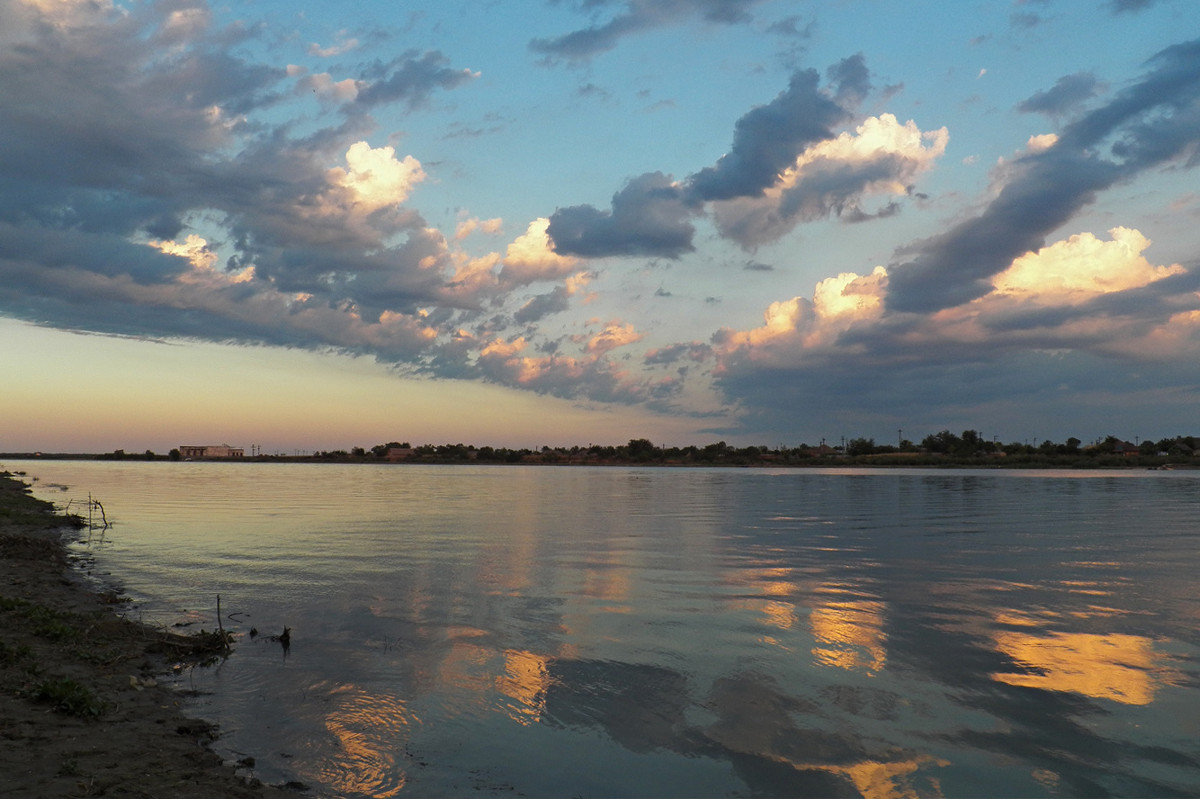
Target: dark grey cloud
(768, 139)
(121, 127)
(543, 305)
(1025, 20)
(790, 28)
(637, 16)
(1154, 121)
(1067, 94)
(1129, 6)
(411, 78)
(827, 186)
(650, 216)
(850, 80)
(1075, 393)
(693, 351)
(955, 267)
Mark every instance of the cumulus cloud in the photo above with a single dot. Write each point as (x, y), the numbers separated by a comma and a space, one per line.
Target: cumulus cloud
(208, 195)
(376, 178)
(1081, 267)
(768, 139)
(787, 164)
(531, 257)
(799, 331)
(650, 216)
(114, 223)
(882, 157)
(1076, 304)
(1155, 120)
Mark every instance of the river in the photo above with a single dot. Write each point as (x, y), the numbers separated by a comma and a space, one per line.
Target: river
(638, 632)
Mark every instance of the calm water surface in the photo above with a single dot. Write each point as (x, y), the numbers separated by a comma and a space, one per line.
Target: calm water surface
(578, 632)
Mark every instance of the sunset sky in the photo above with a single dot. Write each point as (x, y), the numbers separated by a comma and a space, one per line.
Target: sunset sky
(316, 224)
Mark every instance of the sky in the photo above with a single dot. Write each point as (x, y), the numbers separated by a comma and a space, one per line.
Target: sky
(313, 225)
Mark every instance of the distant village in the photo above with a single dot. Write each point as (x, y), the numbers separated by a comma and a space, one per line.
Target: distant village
(969, 448)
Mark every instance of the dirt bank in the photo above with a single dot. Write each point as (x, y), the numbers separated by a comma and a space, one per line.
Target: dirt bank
(80, 711)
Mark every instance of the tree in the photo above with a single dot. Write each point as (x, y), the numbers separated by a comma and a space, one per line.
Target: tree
(642, 449)
(944, 441)
(860, 446)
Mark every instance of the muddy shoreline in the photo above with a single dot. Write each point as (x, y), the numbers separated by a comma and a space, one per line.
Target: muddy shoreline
(81, 710)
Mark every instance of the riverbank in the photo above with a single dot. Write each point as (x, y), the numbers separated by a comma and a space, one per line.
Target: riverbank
(81, 711)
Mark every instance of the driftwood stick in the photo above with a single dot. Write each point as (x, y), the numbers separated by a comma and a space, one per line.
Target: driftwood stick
(221, 627)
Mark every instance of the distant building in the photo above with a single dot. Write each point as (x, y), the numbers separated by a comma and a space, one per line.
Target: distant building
(211, 451)
(395, 454)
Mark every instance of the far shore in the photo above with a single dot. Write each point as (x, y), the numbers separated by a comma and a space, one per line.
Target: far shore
(82, 712)
(734, 459)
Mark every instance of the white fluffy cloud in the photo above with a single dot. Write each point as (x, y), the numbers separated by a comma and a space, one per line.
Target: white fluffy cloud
(1056, 279)
(531, 257)
(614, 335)
(376, 178)
(466, 227)
(881, 158)
(1082, 267)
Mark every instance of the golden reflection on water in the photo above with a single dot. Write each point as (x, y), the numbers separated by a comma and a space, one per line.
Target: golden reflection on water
(779, 614)
(847, 626)
(1119, 667)
(880, 780)
(465, 667)
(849, 634)
(525, 679)
(367, 728)
(1113, 666)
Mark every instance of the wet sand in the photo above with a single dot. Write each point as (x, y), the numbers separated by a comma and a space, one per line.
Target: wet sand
(81, 712)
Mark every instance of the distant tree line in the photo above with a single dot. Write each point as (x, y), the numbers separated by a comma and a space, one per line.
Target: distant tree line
(944, 448)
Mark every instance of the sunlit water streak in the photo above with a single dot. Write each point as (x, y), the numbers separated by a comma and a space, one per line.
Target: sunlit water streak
(658, 632)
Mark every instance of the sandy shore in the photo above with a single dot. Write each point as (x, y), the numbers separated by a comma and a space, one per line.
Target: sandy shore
(81, 713)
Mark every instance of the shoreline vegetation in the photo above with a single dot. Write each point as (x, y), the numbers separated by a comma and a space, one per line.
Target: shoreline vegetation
(937, 450)
(81, 710)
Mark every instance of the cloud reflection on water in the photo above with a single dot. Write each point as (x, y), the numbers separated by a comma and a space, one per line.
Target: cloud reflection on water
(1115, 666)
(369, 728)
(888, 636)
